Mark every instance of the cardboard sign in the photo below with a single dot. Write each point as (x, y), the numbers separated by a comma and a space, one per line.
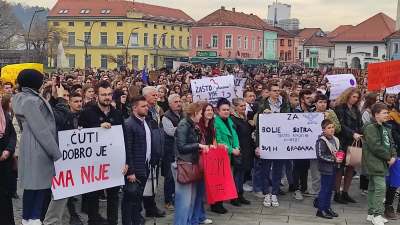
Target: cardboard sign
(289, 135)
(212, 88)
(218, 176)
(339, 83)
(239, 86)
(10, 73)
(92, 159)
(383, 75)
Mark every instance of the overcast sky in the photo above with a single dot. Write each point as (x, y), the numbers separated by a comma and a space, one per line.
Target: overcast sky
(326, 14)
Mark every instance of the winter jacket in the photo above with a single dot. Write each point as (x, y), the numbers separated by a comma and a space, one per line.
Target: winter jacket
(187, 137)
(351, 123)
(326, 159)
(226, 135)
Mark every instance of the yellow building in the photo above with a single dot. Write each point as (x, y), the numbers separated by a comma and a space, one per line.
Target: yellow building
(107, 31)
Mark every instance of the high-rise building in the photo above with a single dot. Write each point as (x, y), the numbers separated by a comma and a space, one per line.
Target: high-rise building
(279, 14)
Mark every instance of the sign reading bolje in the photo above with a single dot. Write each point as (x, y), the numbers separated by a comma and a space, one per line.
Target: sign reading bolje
(92, 159)
(289, 135)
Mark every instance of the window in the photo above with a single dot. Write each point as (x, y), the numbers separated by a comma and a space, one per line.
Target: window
(71, 61)
(56, 24)
(146, 39)
(105, 11)
(228, 41)
(180, 28)
(146, 25)
(289, 55)
(188, 29)
(120, 61)
(145, 60)
(87, 24)
(155, 41)
(199, 42)
(104, 62)
(155, 26)
(282, 42)
(134, 39)
(188, 44)
(85, 11)
(172, 28)
(88, 38)
(172, 41)
(239, 42)
(164, 27)
(135, 61)
(396, 48)
(348, 50)
(260, 44)
(245, 42)
(71, 38)
(103, 38)
(299, 55)
(289, 43)
(214, 41)
(330, 53)
(71, 24)
(120, 38)
(88, 61)
(63, 11)
(375, 51)
(307, 52)
(180, 42)
(281, 55)
(253, 44)
(163, 40)
(103, 24)
(119, 24)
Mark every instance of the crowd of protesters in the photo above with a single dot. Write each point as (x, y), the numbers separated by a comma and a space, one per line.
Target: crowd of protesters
(164, 128)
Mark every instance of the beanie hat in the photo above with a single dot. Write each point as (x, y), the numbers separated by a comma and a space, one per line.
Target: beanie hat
(30, 78)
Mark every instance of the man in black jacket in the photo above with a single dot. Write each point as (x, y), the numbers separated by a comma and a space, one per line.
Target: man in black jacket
(102, 115)
(138, 156)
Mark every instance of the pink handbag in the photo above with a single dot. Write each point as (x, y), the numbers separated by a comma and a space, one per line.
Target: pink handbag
(354, 155)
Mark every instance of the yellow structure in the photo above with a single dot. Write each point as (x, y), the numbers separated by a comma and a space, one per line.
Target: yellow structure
(107, 31)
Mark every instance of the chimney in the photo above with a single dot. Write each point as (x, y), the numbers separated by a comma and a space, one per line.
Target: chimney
(398, 16)
(233, 10)
(223, 7)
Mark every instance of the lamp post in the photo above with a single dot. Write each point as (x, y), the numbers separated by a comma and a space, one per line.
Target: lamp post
(86, 43)
(28, 43)
(157, 48)
(127, 46)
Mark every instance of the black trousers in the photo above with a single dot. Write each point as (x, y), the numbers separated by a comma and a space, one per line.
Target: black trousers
(112, 206)
(300, 173)
(6, 210)
(131, 206)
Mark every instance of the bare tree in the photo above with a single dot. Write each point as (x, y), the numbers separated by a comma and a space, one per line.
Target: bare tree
(9, 25)
(55, 36)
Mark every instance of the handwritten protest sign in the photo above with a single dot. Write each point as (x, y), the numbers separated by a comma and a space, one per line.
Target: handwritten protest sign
(339, 83)
(10, 73)
(218, 176)
(239, 86)
(383, 75)
(212, 88)
(289, 135)
(393, 90)
(92, 159)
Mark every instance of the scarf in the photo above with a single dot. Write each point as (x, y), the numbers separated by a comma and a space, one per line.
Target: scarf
(2, 122)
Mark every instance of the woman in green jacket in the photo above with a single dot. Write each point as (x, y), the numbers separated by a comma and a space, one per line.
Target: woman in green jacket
(225, 134)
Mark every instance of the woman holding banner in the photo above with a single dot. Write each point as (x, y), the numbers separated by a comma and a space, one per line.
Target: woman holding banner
(226, 134)
(188, 149)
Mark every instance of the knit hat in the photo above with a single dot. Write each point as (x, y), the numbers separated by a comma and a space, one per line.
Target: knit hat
(30, 78)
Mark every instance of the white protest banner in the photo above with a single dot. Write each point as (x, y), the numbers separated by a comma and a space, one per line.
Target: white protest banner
(212, 88)
(92, 159)
(289, 135)
(177, 64)
(339, 83)
(239, 86)
(393, 90)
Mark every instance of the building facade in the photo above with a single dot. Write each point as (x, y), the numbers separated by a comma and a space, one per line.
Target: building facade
(113, 33)
(393, 46)
(287, 46)
(318, 51)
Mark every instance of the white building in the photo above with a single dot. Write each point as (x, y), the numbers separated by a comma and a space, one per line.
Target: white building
(283, 11)
(289, 24)
(364, 43)
(318, 51)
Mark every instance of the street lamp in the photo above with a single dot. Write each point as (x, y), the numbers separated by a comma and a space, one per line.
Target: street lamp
(127, 46)
(86, 43)
(29, 30)
(158, 46)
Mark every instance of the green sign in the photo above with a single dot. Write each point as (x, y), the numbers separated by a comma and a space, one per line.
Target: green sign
(206, 54)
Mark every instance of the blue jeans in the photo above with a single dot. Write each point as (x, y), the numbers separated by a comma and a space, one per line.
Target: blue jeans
(33, 204)
(289, 171)
(169, 184)
(325, 193)
(238, 176)
(267, 173)
(185, 202)
(199, 214)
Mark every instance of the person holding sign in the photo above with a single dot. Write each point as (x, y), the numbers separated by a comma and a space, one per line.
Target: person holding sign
(188, 150)
(38, 146)
(225, 133)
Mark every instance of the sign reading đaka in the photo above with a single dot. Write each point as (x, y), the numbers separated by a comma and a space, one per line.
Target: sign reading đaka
(92, 159)
(289, 135)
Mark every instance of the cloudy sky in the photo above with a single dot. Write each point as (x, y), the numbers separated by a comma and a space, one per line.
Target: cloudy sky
(326, 14)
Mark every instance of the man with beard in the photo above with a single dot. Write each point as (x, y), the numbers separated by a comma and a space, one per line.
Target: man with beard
(102, 115)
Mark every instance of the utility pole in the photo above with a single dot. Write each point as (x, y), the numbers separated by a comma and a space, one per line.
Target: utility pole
(86, 42)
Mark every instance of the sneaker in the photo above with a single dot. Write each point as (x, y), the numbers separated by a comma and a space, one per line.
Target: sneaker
(275, 202)
(247, 188)
(259, 194)
(35, 222)
(267, 200)
(169, 207)
(25, 222)
(298, 196)
(364, 192)
(390, 214)
(370, 217)
(379, 220)
(206, 221)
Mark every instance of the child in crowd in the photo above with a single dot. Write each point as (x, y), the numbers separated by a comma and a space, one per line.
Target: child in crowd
(328, 156)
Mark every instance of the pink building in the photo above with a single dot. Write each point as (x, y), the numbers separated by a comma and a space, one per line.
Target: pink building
(228, 34)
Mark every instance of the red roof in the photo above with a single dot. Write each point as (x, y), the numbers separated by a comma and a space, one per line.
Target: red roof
(283, 33)
(394, 35)
(340, 29)
(117, 8)
(374, 29)
(318, 40)
(223, 17)
(306, 33)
